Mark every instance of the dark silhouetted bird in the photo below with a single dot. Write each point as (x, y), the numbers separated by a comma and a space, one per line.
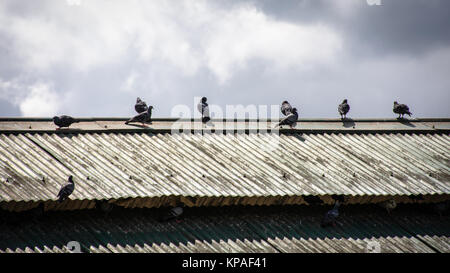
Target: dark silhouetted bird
(173, 213)
(140, 106)
(142, 117)
(290, 120)
(64, 121)
(66, 190)
(401, 110)
(343, 109)
(286, 108)
(330, 217)
(203, 108)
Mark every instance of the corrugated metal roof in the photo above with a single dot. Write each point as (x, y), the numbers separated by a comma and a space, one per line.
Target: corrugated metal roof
(231, 230)
(222, 169)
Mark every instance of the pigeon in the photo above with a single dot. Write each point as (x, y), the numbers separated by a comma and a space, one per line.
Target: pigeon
(173, 213)
(343, 109)
(286, 108)
(388, 205)
(401, 109)
(330, 217)
(140, 106)
(203, 108)
(290, 120)
(142, 117)
(64, 121)
(66, 190)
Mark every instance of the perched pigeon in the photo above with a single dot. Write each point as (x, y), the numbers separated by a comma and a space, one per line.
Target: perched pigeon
(142, 117)
(173, 213)
(203, 108)
(140, 106)
(330, 217)
(290, 120)
(388, 205)
(286, 108)
(66, 190)
(64, 121)
(401, 109)
(343, 109)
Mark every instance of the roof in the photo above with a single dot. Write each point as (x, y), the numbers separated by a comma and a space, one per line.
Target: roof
(409, 228)
(137, 167)
(168, 125)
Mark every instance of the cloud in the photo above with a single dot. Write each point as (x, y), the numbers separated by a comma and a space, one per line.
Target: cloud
(83, 38)
(94, 58)
(34, 100)
(246, 33)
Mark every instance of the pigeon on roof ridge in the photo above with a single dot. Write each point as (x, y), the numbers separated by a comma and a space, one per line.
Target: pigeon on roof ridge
(142, 117)
(64, 121)
(140, 106)
(203, 108)
(286, 108)
(290, 120)
(343, 109)
(401, 109)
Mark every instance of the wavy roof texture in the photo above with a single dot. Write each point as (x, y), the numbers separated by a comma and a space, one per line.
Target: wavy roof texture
(365, 160)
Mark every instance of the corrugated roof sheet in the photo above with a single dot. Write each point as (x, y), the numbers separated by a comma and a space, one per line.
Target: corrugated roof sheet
(231, 230)
(221, 169)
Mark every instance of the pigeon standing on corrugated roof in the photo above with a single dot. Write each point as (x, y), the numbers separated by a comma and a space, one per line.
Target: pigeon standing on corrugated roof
(140, 106)
(142, 117)
(331, 216)
(343, 109)
(286, 108)
(66, 190)
(203, 108)
(401, 109)
(290, 120)
(64, 121)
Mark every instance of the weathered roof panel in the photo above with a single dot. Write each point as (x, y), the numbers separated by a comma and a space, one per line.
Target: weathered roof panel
(221, 169)
(232, 230)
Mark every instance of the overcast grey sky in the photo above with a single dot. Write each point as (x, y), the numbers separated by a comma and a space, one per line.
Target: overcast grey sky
(93, 58)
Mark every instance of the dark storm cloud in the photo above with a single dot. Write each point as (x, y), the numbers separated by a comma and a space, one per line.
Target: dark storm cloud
(395, 27)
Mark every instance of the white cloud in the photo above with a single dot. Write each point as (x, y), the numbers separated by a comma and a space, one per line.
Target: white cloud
(41, 101)
(187, 35)
(246, 34)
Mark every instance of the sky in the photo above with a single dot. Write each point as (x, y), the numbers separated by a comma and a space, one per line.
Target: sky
(92, 58)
